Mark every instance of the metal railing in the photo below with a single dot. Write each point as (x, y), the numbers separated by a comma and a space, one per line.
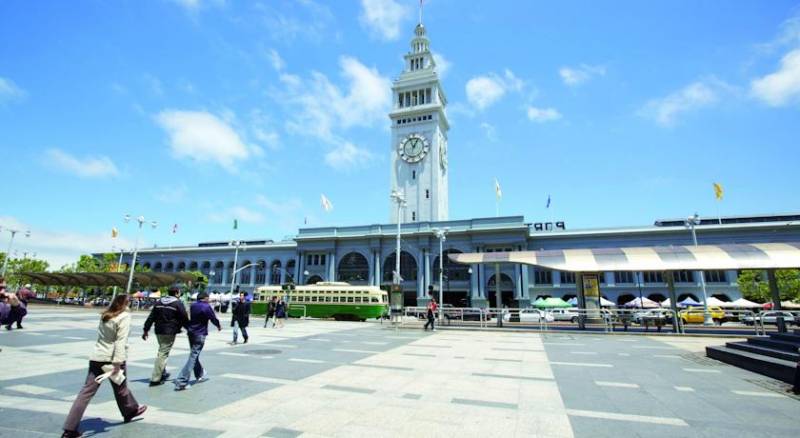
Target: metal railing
(298, 306)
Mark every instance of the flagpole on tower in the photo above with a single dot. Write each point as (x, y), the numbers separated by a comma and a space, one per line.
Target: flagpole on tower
(420, 11)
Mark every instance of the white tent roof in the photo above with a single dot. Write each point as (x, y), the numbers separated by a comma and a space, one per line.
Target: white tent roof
(645, 302)
(650, 258)
(741, 302)
(716, 302)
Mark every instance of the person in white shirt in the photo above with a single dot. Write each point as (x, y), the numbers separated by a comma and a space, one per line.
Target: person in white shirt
(110, 350)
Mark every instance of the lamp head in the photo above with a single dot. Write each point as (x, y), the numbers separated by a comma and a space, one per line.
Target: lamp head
(127, 218)
(28, 233)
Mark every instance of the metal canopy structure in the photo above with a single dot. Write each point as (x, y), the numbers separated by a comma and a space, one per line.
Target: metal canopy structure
(102, 279)
(650, 258)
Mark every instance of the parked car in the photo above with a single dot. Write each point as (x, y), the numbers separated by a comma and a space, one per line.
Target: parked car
(696, 315)
(535, 315)
(564, 315)
(771, 318)
(652, 316)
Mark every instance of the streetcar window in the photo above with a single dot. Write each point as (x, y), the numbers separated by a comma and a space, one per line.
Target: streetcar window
(314, 299)
(358, 299)
(327, 299)
(374, 299)
(335, 299)
(349, 299)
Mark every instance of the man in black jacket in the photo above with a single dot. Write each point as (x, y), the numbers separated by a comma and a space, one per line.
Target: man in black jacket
(241, 317)
(169, 316)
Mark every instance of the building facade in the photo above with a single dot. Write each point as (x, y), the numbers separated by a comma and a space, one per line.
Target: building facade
(366, 254)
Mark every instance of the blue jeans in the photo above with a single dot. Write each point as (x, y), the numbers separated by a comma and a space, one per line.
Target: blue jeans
(236, 332)
(193, 363)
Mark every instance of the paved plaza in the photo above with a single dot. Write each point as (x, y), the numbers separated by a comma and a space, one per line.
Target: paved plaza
(324, 378)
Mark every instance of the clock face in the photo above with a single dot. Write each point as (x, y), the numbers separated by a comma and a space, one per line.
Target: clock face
(413, 148)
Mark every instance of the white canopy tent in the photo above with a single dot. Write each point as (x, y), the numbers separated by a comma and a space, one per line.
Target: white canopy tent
(643, 302)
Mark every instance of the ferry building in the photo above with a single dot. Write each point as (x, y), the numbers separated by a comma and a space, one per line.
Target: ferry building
(365, 254)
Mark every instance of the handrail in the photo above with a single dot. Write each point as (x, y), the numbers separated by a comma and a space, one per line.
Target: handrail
(305, 309)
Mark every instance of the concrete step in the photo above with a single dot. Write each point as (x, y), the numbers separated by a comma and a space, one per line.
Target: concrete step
(786, 337)
(769, 366)
(772, 343)
(766, 351)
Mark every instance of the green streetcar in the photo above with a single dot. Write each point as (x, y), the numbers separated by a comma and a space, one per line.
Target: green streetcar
(338, 300)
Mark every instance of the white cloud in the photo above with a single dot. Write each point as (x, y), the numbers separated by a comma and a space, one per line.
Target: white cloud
(172, 194)
(10, 91)
(542, 115)
(323, 107)
(782, 86)
(574, 76)
(285, 215)
(261, 128)
(442, 64)
(305, 19)
(62, 247)
(483, 91)
(490, 131)
(203, 137)
(88, 167)
(275, 59)
(347, 156)
(383, 17)
(697, 95)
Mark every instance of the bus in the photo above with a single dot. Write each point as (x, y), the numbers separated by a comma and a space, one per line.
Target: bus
(338, 300)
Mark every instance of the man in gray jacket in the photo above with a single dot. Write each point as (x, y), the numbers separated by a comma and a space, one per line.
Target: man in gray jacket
(169, 316)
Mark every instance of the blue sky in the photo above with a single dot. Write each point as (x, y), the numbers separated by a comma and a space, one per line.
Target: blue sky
(195, 112)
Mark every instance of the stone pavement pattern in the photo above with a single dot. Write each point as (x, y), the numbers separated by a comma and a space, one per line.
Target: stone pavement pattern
(324, 378)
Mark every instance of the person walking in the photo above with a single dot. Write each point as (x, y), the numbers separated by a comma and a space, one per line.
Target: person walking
(169, 316)
(280, 313)
(271, 305)
(432, 308)
(200, 314)
(110, 353)
(240, 316)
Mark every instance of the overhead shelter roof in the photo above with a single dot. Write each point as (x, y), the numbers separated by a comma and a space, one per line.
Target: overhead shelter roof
(144, 279)
(649, 258)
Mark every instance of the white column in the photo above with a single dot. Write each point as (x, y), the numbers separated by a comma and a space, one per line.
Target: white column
(427, 260)
(517, 282)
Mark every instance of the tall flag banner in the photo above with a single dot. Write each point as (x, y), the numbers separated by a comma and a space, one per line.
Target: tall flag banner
(548, 202)
(718, 193)
(236, 224)
(326, 203)
(114, 233)
(174, 228)
(497, 192)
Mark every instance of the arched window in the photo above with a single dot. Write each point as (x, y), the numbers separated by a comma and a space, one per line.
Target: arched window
(219, 270)
(261, 272)
(452, 271)
(625, 298)
(290, 267)
(205, 268)
(146, 266)
(505, 283)
(353, 268)
(193, 266)
(408, 267)
(314, 279)
(158, 267)
(244, 274)
(181, 267)
(657, 297)
(275, 272)
(682, 297)
(169, 267)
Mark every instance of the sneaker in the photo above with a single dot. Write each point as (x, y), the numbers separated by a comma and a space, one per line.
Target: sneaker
(245, 341)
(160, 382)
(138, 413)
(71, 434)
(203, 378)
(182, 387)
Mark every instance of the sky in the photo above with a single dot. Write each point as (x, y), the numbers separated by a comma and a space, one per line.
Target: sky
(198, 112)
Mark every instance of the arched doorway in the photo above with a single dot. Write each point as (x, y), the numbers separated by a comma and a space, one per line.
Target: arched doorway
(181, 267)
(169, 267)
(408, 271)
(657, 297)
(455, 277)
(219, 272)
(682, 297)
(261, 272)
(205, 268)
(353, 269)
(625, 298)
(722, 297)
(146, 266)
(314, 279)
(290, 267)
(506, 291)
(158, 267)
(193, 266)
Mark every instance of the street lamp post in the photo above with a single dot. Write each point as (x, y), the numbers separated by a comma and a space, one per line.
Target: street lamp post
(441, 233)
(132, 267)
(236, 244)
(691, 222)
(401, 202)
(10, 243)
(119, 265)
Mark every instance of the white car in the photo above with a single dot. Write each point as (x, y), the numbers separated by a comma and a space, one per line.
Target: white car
(564, 315)
(535, 315)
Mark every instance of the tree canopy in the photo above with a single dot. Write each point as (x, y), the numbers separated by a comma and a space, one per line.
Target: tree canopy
(755, 287)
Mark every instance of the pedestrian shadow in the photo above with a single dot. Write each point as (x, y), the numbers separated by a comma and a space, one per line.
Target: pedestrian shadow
(97, 426)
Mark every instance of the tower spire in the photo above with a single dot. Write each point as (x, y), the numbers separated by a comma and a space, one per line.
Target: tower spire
(420, 11)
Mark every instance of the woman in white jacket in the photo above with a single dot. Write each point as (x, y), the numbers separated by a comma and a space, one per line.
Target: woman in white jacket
(111, 349)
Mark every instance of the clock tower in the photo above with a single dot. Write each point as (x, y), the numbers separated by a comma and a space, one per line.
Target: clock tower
(419, 136)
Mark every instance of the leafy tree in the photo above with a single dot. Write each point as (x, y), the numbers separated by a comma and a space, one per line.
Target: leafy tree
(755, 287)
(17, 265)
